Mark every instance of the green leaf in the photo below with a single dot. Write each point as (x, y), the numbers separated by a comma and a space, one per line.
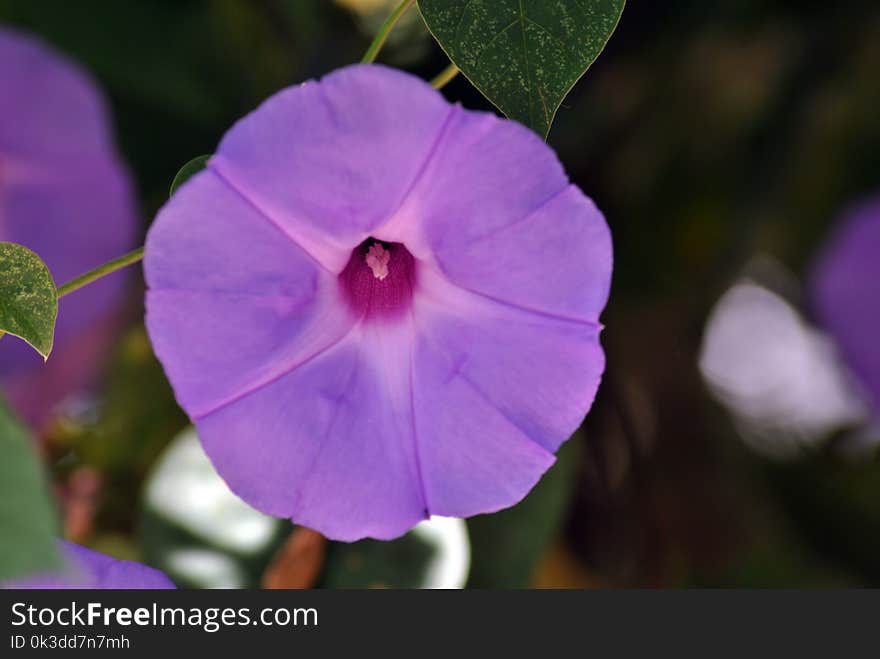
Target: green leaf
(28, 299)
(27, 519)
(523, 55)
(186, 172)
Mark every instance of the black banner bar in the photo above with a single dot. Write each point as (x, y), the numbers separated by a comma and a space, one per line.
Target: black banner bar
(415, 621)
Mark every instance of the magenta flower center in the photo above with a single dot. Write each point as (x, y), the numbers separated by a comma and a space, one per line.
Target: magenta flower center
(379, 279)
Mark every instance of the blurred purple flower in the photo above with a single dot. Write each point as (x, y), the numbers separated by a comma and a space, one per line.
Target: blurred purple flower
(846, 292)
(65, 195)
(378, 306)
(85, 568)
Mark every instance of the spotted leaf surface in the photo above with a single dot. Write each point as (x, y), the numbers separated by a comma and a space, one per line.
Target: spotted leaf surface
(523, 55)
(28, 299)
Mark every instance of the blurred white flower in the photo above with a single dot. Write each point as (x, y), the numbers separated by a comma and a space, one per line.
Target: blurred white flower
(206, 568)
(451, 562)
(781, 378)
(185, 490)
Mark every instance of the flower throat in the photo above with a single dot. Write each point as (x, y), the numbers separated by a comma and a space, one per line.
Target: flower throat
(378, 280)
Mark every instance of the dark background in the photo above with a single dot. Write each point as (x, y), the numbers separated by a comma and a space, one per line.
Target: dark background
(711, 133)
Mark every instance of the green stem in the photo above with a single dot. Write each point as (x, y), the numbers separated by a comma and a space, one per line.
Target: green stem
(385, 30)
(444, 76)
(101, 271)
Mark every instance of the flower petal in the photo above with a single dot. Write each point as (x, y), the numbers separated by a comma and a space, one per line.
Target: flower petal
(52, 108)
(233, 303)
(86, 568)
(329, 444)
(494, 225)
(515, 385)
(64, 195)
(330, 160)
(108, 573)
(845, 290)
(541, 372)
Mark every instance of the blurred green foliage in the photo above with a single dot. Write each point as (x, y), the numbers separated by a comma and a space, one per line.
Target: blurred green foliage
(25, 506)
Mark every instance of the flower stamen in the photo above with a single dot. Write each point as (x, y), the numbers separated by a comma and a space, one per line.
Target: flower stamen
(377, 258)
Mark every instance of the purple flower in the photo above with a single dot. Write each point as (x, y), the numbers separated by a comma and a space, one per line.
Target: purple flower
(846, 292)
(63, 194)
(378, 306)
(85, 568)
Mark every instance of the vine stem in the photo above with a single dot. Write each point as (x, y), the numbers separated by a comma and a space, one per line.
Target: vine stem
(444, 76)
(385, 30)
(101, 271)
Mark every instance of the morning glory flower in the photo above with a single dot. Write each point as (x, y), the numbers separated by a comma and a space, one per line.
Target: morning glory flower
(64, 195)
(846, 292)
(377, 306)
(86, 568)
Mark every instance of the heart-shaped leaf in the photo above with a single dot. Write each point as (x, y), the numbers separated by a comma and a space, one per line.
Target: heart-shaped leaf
(27, 519)
(523, 55)
(28, 298)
